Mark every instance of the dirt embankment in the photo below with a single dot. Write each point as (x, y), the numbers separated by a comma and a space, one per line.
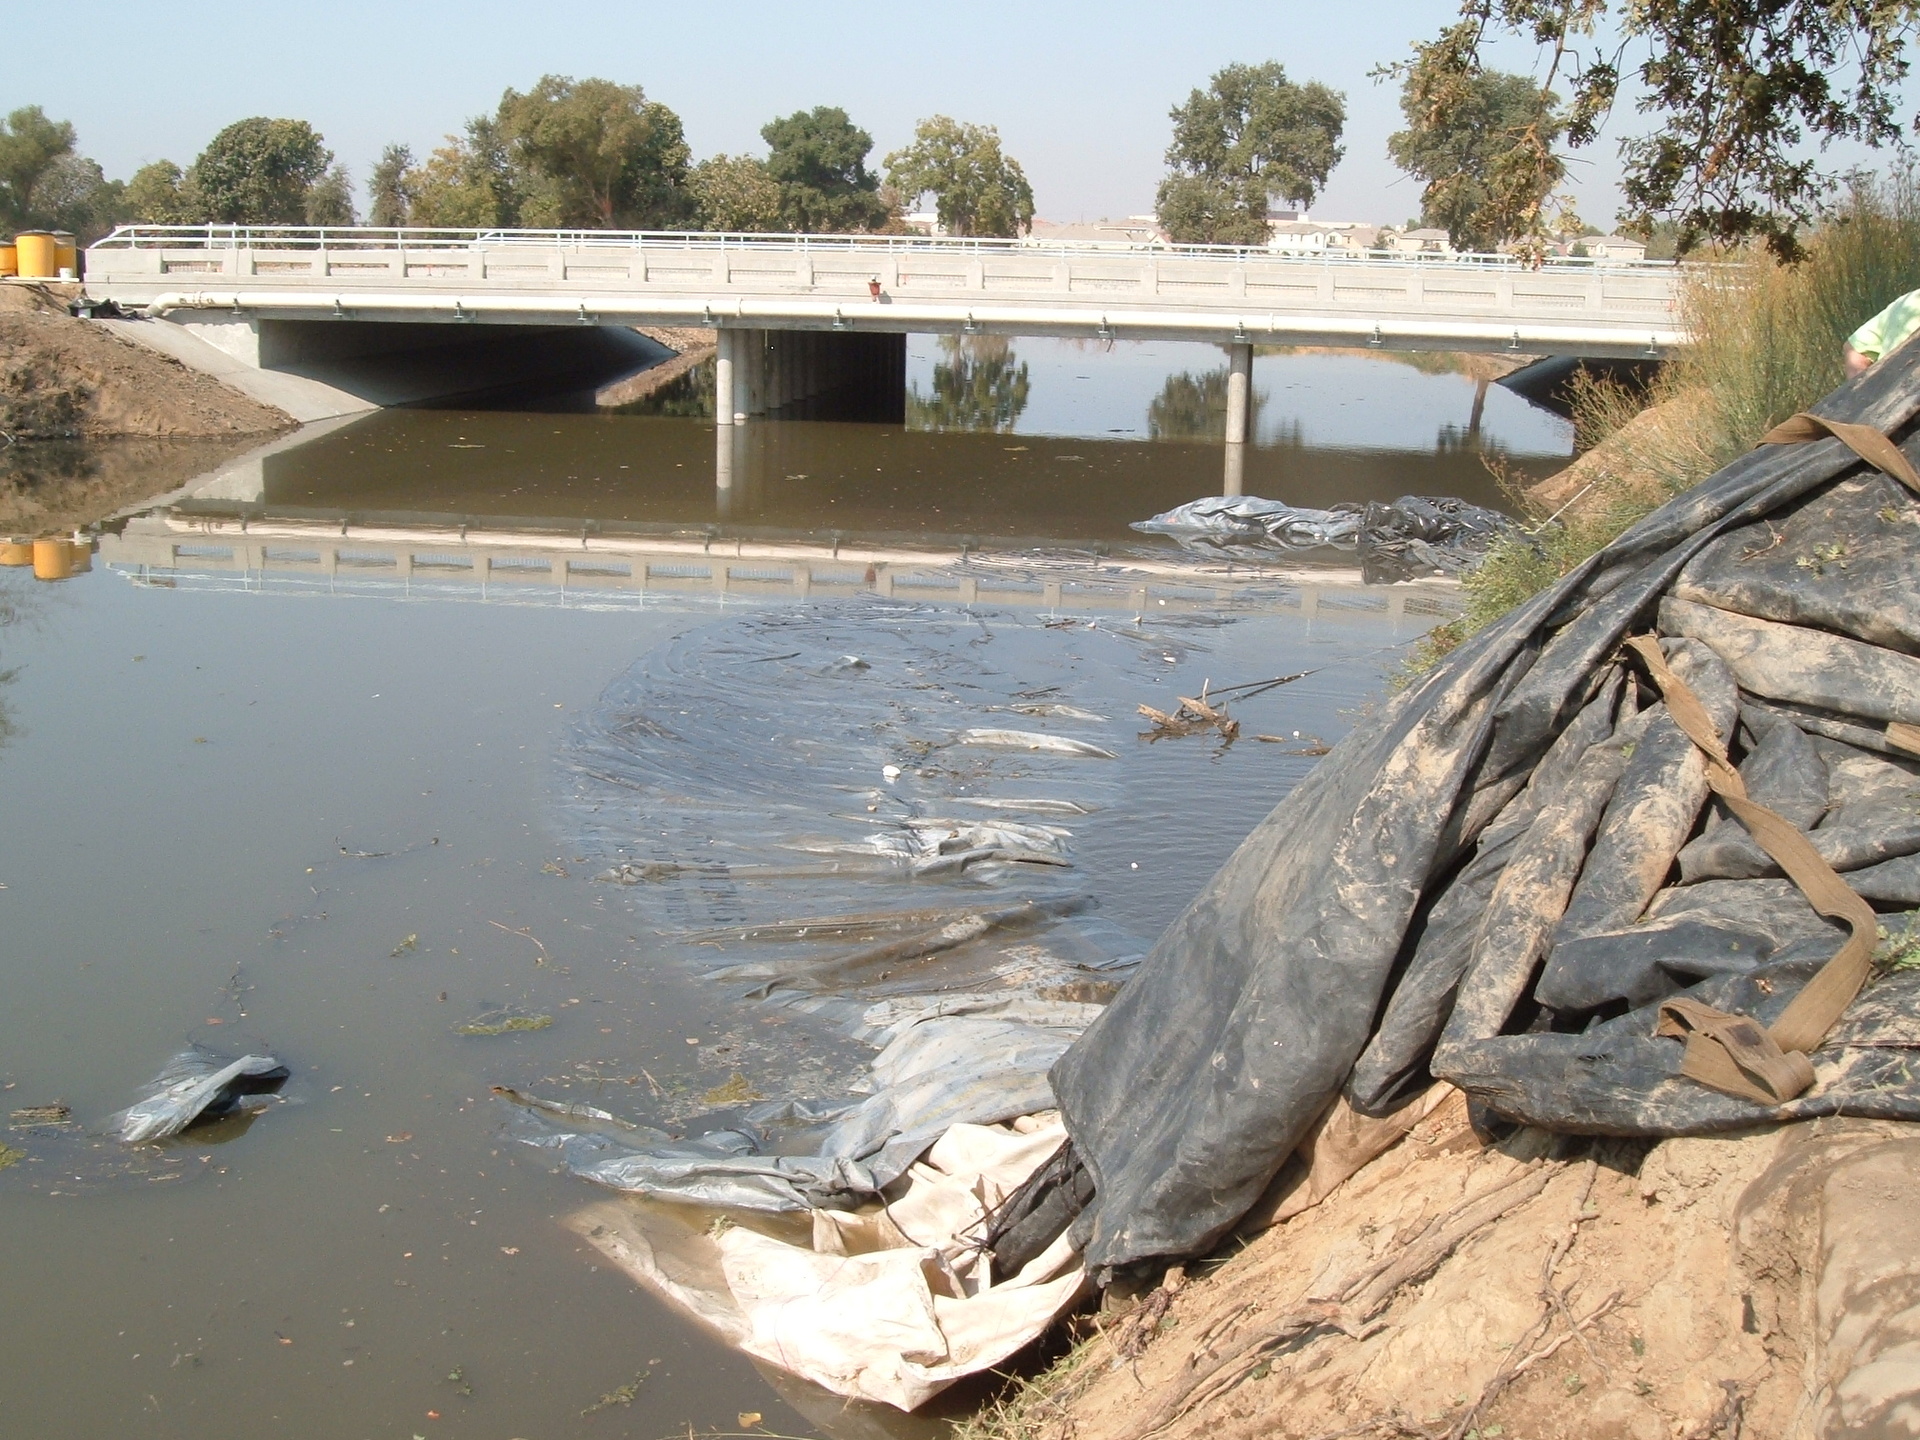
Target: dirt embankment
(692, 346)
(1543, 1288)
(62, 378)
(1617, 468)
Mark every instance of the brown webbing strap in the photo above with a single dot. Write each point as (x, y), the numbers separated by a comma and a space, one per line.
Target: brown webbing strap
(1732, 1053)
(1865, 441)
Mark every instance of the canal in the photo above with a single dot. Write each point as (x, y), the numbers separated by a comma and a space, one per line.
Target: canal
(412, 784)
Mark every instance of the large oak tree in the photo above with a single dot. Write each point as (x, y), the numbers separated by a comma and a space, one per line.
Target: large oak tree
(1251, 137)
(978, 188)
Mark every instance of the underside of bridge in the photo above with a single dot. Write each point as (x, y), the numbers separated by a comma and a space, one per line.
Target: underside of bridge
(810, 375)
(321, 368)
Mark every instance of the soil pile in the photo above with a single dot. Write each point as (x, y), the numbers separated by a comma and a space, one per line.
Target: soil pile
(1701, 1287)
(62, 378)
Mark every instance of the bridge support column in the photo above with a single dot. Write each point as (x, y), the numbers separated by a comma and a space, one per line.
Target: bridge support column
(1234, 482)
(1239, 388)
(726, 361)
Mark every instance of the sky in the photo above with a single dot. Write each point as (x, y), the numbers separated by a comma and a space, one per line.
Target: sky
(1079, 91)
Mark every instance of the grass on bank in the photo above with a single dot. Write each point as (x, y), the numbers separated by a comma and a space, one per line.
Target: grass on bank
(1766, 343)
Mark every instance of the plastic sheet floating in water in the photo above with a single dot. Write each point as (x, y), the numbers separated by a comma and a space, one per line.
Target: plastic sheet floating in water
(198, 1085)
(749, 773)
(1416, 535)
(964, 1059)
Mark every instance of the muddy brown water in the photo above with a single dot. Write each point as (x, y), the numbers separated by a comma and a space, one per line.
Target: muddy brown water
(331, 827)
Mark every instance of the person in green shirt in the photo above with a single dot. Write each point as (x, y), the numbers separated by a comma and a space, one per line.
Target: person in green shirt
(1883, 334)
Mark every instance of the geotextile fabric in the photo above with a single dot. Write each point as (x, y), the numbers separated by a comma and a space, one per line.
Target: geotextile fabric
(1503, 876)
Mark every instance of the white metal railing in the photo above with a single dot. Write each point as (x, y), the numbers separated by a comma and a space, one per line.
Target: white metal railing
(361, 237)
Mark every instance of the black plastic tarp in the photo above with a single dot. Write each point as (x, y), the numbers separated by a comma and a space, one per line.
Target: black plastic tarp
(1448, 859)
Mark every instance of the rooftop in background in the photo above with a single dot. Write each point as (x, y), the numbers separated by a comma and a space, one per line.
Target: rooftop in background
(1134, 230)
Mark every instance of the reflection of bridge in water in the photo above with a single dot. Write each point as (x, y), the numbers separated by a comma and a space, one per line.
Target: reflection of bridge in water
(590, 568)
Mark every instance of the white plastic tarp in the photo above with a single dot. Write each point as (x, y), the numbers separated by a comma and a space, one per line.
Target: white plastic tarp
(891, 1303)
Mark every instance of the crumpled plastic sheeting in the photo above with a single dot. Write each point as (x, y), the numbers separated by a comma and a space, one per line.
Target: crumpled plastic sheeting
(889, 1304)
(194, 1086)
(946, 1061)
(1248, 1016)
(1415, 535)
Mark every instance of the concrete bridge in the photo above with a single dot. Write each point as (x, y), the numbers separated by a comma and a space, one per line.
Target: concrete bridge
(365, 312)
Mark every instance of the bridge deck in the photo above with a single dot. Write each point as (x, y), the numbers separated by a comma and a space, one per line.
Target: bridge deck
(801, 282)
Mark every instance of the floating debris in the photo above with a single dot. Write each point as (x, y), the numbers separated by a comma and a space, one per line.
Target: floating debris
(502, 1022)
(1035, 741)
(735, 1092)
(198, 1085)
(1193, 716)
(30, 1117)
(647, 872)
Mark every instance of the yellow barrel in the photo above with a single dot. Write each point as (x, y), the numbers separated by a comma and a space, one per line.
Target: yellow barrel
(52, 559)
(38, 256)
(16, 550)
(9, 260)
(66, 253)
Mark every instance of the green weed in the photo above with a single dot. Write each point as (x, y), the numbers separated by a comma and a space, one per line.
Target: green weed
(1899, 949)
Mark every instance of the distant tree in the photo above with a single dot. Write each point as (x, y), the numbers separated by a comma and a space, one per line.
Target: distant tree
(896, 221)
(330, 198)
(1662, 237)
(981, 386)
(160, 194)
(74, 194)
(389, 201)
(819, 159)
(46, 184)
(597, 154)
(1485, 149)
(30, 143)
(258, 172)
(1250, 138)
(977, 189)
(469, 182)
(734, 193)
